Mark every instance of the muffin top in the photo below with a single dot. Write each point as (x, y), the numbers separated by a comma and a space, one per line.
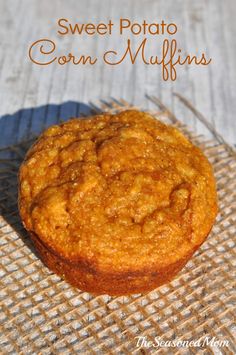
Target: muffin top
(121, 191)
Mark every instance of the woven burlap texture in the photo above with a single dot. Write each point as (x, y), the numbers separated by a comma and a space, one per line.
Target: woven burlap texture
(42, 314)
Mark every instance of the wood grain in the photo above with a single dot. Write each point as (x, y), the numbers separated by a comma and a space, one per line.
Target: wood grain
(27, 89)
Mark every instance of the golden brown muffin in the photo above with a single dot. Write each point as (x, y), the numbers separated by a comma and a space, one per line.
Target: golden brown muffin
(116, 204)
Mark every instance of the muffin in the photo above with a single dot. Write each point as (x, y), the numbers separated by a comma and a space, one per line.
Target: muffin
(116, 204)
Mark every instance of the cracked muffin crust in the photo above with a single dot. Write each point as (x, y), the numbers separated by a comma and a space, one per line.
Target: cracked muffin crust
(118, 203)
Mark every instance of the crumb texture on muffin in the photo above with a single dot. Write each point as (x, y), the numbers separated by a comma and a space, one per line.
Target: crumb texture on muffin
(119, 193)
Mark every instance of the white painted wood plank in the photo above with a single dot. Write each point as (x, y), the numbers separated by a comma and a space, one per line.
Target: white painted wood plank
(204, 25)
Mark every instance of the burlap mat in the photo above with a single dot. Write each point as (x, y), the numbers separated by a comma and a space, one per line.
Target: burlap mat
(42, 314)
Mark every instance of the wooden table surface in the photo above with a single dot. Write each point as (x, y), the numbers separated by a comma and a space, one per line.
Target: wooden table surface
(31, 95)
